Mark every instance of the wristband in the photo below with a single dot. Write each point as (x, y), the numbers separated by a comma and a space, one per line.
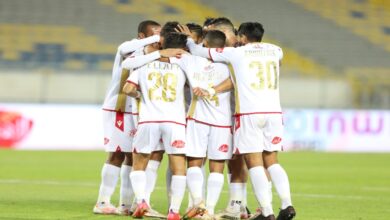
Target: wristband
(211, 91)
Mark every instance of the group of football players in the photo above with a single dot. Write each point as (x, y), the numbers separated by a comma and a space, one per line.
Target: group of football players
(196, 94)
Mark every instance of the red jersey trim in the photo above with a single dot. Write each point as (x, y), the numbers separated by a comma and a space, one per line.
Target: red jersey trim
(252, 113)
(111, 110)
(210, 55)
(174, 122)
(131, 82)
(201, 122)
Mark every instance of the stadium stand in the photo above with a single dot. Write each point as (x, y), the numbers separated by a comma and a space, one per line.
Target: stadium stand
(82, 36)
(367, 18)
(48, 34)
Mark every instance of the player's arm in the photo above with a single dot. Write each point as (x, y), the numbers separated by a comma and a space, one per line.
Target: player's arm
(131, 86)
(224, 86)
(135, 44)
(138, 61)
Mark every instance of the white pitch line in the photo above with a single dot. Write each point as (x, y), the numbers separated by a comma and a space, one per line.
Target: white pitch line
(96, 184)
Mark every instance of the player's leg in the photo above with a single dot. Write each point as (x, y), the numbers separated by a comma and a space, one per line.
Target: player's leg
(178, 183)
(259, 182)
(151, 178)
(138, 181)
(114, 139)
(126, 195)
(196, 144)
(174, 144)
(249, 141)
(219, 150)
(145, 142)
(151, 172)
(109, 178)
(273, 133)
(214, 184)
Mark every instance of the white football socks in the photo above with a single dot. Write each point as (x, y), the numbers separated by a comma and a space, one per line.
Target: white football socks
(261, 189)
(138, 180)
(126, 194)
(151, 177)
(178, 188)
(168, 181)
(214, 188)
(110, 176)
(280, 179)
(195, 184)
(236, 197)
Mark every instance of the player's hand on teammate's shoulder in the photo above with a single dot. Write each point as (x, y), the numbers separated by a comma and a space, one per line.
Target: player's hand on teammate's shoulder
(172, 52)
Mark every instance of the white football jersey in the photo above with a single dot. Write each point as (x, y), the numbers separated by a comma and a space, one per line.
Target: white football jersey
(115, 99)
(162, 89)
(203, 73)
(255, 76)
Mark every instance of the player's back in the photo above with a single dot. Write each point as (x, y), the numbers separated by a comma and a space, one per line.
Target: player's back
(162, 89)
(256, 78)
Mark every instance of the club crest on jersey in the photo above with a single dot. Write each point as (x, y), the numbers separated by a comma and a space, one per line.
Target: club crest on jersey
(178, 144)
(219, 50)
(276, 140)
(223, 148)
(119, 121)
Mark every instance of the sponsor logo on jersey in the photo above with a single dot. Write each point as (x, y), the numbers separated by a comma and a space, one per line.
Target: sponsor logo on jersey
(14, 127)
(133, 132)
(223, 148)
(276, 140)
(178, 144)
(106, 140)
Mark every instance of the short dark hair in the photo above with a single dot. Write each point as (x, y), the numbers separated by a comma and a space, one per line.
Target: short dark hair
(195, 28)
(215, 39)
(252, 30)
(142, 27)
(208, 21)
(169, 27)
(222, 22)
(175, 40)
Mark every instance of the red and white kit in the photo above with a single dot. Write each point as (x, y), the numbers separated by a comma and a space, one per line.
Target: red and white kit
(209, 120)
(162, 108)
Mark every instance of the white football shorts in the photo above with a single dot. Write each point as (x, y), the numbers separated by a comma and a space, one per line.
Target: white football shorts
(203, 140)
(257, 133)
(149, 136)
(119, 131)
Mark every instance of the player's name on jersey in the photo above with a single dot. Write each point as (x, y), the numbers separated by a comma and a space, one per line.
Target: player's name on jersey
(261, 52)
(163, 66)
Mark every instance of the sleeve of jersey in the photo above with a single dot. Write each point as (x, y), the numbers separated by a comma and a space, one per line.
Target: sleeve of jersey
(197, 49)
(133, 78)
(135, 44)
(133, 62)
(221, 54)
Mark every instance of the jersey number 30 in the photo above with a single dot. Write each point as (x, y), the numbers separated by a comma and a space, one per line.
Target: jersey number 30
(269, 69)
(168, 83)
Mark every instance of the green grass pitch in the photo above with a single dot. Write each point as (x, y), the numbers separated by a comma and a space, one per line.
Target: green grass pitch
(64, 185)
